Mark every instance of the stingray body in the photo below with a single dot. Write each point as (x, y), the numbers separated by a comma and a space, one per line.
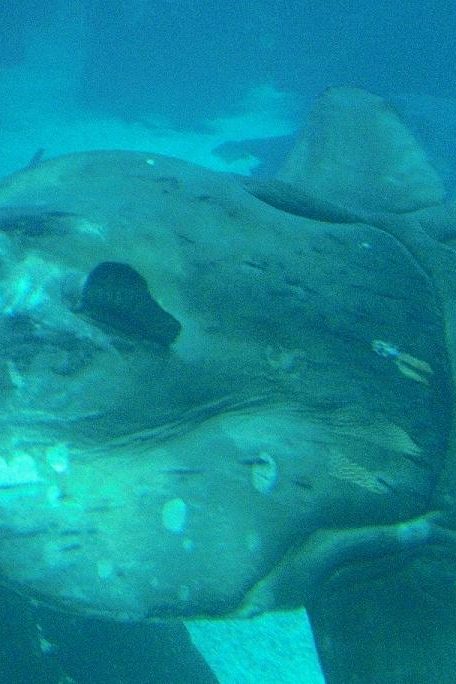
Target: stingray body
(211, 405)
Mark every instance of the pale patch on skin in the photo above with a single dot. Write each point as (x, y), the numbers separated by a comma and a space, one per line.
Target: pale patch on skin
(414, 532)
(188, 544)
(104, 569)
(53, 495)
(264, 473)
(174, 515)
(21, 469)
(90, 228)
(58, 458)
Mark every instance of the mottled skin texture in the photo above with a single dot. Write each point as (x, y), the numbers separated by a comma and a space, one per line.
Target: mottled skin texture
(393, 620)
(254, 463)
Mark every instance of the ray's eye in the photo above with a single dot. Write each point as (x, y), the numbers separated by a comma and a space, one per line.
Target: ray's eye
(117, 297)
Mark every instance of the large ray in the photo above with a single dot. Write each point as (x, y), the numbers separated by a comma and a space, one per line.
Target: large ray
(212, 406)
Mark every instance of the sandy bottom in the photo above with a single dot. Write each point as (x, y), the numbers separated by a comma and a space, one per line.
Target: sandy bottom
(271, 649)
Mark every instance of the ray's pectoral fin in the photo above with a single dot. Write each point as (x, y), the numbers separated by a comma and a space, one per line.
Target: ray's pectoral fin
(372, 621)
(336, 173)
(117, 297)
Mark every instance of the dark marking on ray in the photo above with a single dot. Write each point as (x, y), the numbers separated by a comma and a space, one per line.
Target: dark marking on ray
(168, 183)
(32, 221)
(23, 534)
(294, 282)
(417, 460)
(285, 293)
(62, 496)
(253, 461)
(185, 238)
(36, 159)
(254, 265)
(167, 179)
(70, 533)
(100, 508)
(302, 482)
(77, 532)
(71, 547)
(118, 297)
(17, 485)
(387, 485)
(183, 471)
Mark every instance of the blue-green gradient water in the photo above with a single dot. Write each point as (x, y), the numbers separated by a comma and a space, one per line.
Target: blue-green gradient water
(227, 84)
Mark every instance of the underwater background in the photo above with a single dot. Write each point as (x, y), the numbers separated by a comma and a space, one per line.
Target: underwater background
(227, 85)
(222, 84)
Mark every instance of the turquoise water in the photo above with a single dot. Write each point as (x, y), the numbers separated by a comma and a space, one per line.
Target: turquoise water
(227, 86)
(188, 76)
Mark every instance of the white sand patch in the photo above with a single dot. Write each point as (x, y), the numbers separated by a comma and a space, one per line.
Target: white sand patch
(271, 649)
(265, 112)
(37, 112)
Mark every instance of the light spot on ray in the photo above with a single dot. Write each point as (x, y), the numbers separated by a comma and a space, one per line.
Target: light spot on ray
(174, 515)
(188, 544)
(53, 495)
(104, 568)
(57, 458)
(264, 473)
